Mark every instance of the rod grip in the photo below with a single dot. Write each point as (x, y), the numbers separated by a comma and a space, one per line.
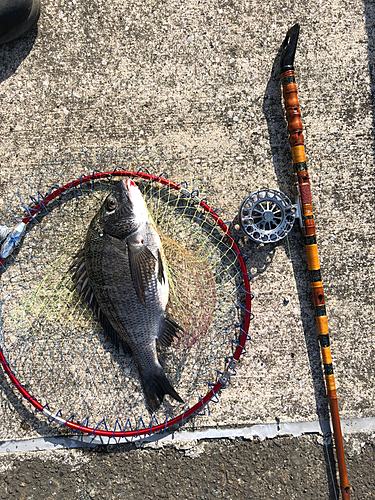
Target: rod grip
(293, 112)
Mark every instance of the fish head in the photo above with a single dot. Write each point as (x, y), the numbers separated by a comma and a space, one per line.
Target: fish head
(124, 210)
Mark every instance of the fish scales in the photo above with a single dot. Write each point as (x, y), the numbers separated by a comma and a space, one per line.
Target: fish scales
(125, 266)
(117, 296)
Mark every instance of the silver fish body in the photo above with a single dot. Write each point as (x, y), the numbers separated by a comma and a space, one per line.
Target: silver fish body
(122, 274)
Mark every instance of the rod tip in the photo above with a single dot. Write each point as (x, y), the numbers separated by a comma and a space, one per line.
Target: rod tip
(288, 48)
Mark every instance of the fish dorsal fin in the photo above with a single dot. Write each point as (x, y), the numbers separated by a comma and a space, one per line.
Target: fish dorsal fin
(142, 266)
(83, 287)
(170, 332)
(161, 272)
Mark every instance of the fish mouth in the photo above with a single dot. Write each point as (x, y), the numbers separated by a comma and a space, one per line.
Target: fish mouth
(128, 186)
(131, 193)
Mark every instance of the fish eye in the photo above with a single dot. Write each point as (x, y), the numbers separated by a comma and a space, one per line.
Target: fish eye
(111, 204)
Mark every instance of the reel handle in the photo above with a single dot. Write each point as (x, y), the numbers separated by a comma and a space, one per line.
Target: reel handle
(296, 141)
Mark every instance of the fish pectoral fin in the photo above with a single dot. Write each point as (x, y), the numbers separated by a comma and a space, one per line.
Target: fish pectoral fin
(161, 272)
(142, 264)
(170, 332)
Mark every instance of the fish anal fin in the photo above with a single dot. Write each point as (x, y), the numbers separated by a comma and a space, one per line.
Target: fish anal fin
(170, 332)
(142, 266)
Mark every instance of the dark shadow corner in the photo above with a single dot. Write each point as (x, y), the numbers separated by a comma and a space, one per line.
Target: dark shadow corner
(13, 53)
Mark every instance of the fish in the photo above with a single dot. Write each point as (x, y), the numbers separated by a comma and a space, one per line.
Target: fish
(122, 273)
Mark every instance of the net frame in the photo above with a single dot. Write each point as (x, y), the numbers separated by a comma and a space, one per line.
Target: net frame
(231, 361)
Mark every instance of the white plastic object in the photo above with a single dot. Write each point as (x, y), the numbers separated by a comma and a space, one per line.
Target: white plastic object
(12, 240)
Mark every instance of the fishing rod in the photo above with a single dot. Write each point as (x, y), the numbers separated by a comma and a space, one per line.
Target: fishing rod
(296, 141)
(267, 216)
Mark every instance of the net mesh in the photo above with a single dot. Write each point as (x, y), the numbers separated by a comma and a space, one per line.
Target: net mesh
(50, 338)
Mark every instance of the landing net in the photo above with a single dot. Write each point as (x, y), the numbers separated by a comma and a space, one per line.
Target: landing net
(54, 350)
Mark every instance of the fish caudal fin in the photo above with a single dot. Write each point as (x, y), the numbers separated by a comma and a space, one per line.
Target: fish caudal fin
(156, 386)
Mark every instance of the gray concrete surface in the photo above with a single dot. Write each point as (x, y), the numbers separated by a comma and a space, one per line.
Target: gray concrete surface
(230, 469)
(193, 81)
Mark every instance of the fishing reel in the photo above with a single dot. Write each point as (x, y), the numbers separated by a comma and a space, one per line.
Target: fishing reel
(267, 216)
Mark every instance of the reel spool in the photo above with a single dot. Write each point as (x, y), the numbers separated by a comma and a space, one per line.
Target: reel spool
(267, 216)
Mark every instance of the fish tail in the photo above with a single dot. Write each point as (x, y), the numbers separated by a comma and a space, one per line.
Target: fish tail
(156, 386)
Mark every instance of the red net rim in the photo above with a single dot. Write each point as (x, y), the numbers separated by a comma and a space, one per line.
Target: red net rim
(215, 388)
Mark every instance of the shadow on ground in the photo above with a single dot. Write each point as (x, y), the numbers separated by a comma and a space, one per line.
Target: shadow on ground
(12, 54)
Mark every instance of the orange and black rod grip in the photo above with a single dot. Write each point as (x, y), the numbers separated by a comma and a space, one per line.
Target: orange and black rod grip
(296, 141)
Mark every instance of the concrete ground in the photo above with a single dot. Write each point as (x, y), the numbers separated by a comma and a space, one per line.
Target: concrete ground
(195, 82)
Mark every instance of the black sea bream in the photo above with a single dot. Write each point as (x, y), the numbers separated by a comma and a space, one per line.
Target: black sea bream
(122, 274)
